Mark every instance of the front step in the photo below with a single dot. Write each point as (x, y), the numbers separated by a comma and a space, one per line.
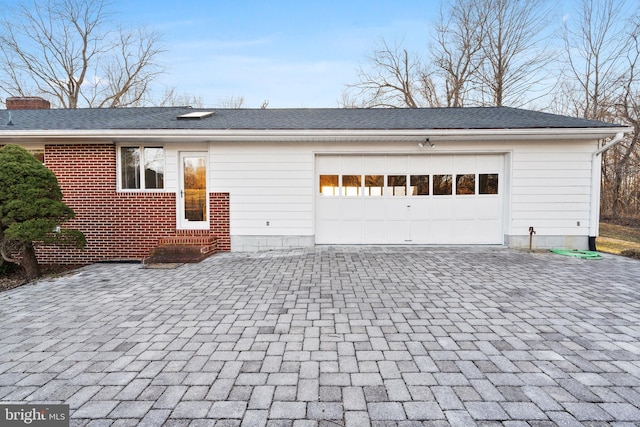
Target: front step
(183, 249)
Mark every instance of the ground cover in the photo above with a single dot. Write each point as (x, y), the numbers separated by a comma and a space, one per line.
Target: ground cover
(12, 277)
(620, 239)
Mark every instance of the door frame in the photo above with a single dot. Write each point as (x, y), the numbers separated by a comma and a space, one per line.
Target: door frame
(181, 222)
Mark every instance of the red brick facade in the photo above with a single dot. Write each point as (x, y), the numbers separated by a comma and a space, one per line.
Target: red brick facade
(219, 214)
(118, 225)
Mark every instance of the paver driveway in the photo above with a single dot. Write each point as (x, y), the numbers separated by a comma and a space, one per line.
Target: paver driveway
(333, 336)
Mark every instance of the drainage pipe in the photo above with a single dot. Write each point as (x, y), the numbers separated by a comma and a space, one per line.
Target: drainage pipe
(594, 215)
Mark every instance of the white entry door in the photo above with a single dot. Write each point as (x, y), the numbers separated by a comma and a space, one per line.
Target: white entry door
(193, 197)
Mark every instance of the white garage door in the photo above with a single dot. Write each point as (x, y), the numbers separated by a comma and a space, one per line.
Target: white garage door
(409, 199)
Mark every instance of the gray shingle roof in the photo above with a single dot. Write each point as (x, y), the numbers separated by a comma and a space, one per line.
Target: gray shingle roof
(291, 119)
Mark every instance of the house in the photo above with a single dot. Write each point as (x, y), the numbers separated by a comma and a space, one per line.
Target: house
(257, 179)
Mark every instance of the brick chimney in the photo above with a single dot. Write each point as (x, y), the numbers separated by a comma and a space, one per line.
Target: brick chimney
(27, 103)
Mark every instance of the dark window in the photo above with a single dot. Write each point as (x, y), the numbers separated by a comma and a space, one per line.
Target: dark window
(442, 185)
(141, 168)
(488, 183)
(130, 167)
(153, 167)
(419, 185)
(466, 184)
(397, 185)
(373, 185)
(38, 154)
(351, 185)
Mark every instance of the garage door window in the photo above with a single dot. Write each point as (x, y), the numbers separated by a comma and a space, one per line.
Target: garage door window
(397, 185)
(419, 185)
(329, 185)
(488, 183)
(465, 184)
(442, 185)
(373, 185)
(351, 185)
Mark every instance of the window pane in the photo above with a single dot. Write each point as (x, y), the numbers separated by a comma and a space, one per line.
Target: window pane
(442, 185)
(38, 154)
(154, 167)
(373, 185)
(329, 185)
(488, 183)
(466, 184)
(419, 185)
(351, 185)
(397, 185)
(130, 166)
(195, 188)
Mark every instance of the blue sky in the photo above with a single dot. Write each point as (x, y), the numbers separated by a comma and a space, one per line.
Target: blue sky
(292, 53)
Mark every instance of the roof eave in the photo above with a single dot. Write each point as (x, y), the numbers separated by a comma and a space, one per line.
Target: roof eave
(304, 135)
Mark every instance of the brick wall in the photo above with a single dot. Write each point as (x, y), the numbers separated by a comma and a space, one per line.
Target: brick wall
(118, 225)
(219, 223)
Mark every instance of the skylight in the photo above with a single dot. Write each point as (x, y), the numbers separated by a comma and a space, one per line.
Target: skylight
(196, 115)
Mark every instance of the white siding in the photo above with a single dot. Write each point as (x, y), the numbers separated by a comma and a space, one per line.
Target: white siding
(547, 184)
(270, 186)
(551, 188)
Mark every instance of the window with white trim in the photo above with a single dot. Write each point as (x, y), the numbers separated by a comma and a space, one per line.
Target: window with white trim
(141, 168)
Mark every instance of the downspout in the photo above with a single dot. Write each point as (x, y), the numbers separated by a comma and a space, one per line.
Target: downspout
(594, 223)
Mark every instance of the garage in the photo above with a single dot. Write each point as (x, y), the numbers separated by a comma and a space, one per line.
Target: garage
(294, 178)
(410, 199)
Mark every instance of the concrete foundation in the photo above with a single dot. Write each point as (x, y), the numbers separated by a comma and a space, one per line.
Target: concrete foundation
(548, 242)
(265, 243)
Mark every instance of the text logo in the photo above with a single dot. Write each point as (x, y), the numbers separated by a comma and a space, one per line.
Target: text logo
(34, 415)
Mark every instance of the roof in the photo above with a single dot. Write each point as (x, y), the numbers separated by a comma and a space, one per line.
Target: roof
(159, 118)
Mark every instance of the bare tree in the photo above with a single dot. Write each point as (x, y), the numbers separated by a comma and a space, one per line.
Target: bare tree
(394, 79)
(627, 109)
(512, 49)
(170, 97)
(595, 48)
(233, 102)
(601, 82)
(457, 54)
(67, 51)
(486, 52)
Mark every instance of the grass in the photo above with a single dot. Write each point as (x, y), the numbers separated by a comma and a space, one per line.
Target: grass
(616, 239)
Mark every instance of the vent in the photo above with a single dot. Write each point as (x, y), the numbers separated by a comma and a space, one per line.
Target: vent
(196, 115)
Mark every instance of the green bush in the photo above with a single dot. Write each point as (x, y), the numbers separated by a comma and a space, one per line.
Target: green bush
(31, 209)
(7, 268)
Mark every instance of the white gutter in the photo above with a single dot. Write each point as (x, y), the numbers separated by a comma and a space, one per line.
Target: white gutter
(303, 135)
(594, 223)
(619, 136)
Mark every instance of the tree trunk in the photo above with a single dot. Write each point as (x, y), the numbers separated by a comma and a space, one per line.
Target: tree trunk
(30, 262)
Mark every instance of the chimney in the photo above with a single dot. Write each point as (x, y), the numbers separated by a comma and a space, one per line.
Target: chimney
(27, 103)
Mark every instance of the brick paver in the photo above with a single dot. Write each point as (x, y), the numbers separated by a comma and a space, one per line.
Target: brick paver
(350, 336)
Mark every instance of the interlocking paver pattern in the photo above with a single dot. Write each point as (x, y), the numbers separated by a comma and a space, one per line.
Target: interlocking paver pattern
(349, 336)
